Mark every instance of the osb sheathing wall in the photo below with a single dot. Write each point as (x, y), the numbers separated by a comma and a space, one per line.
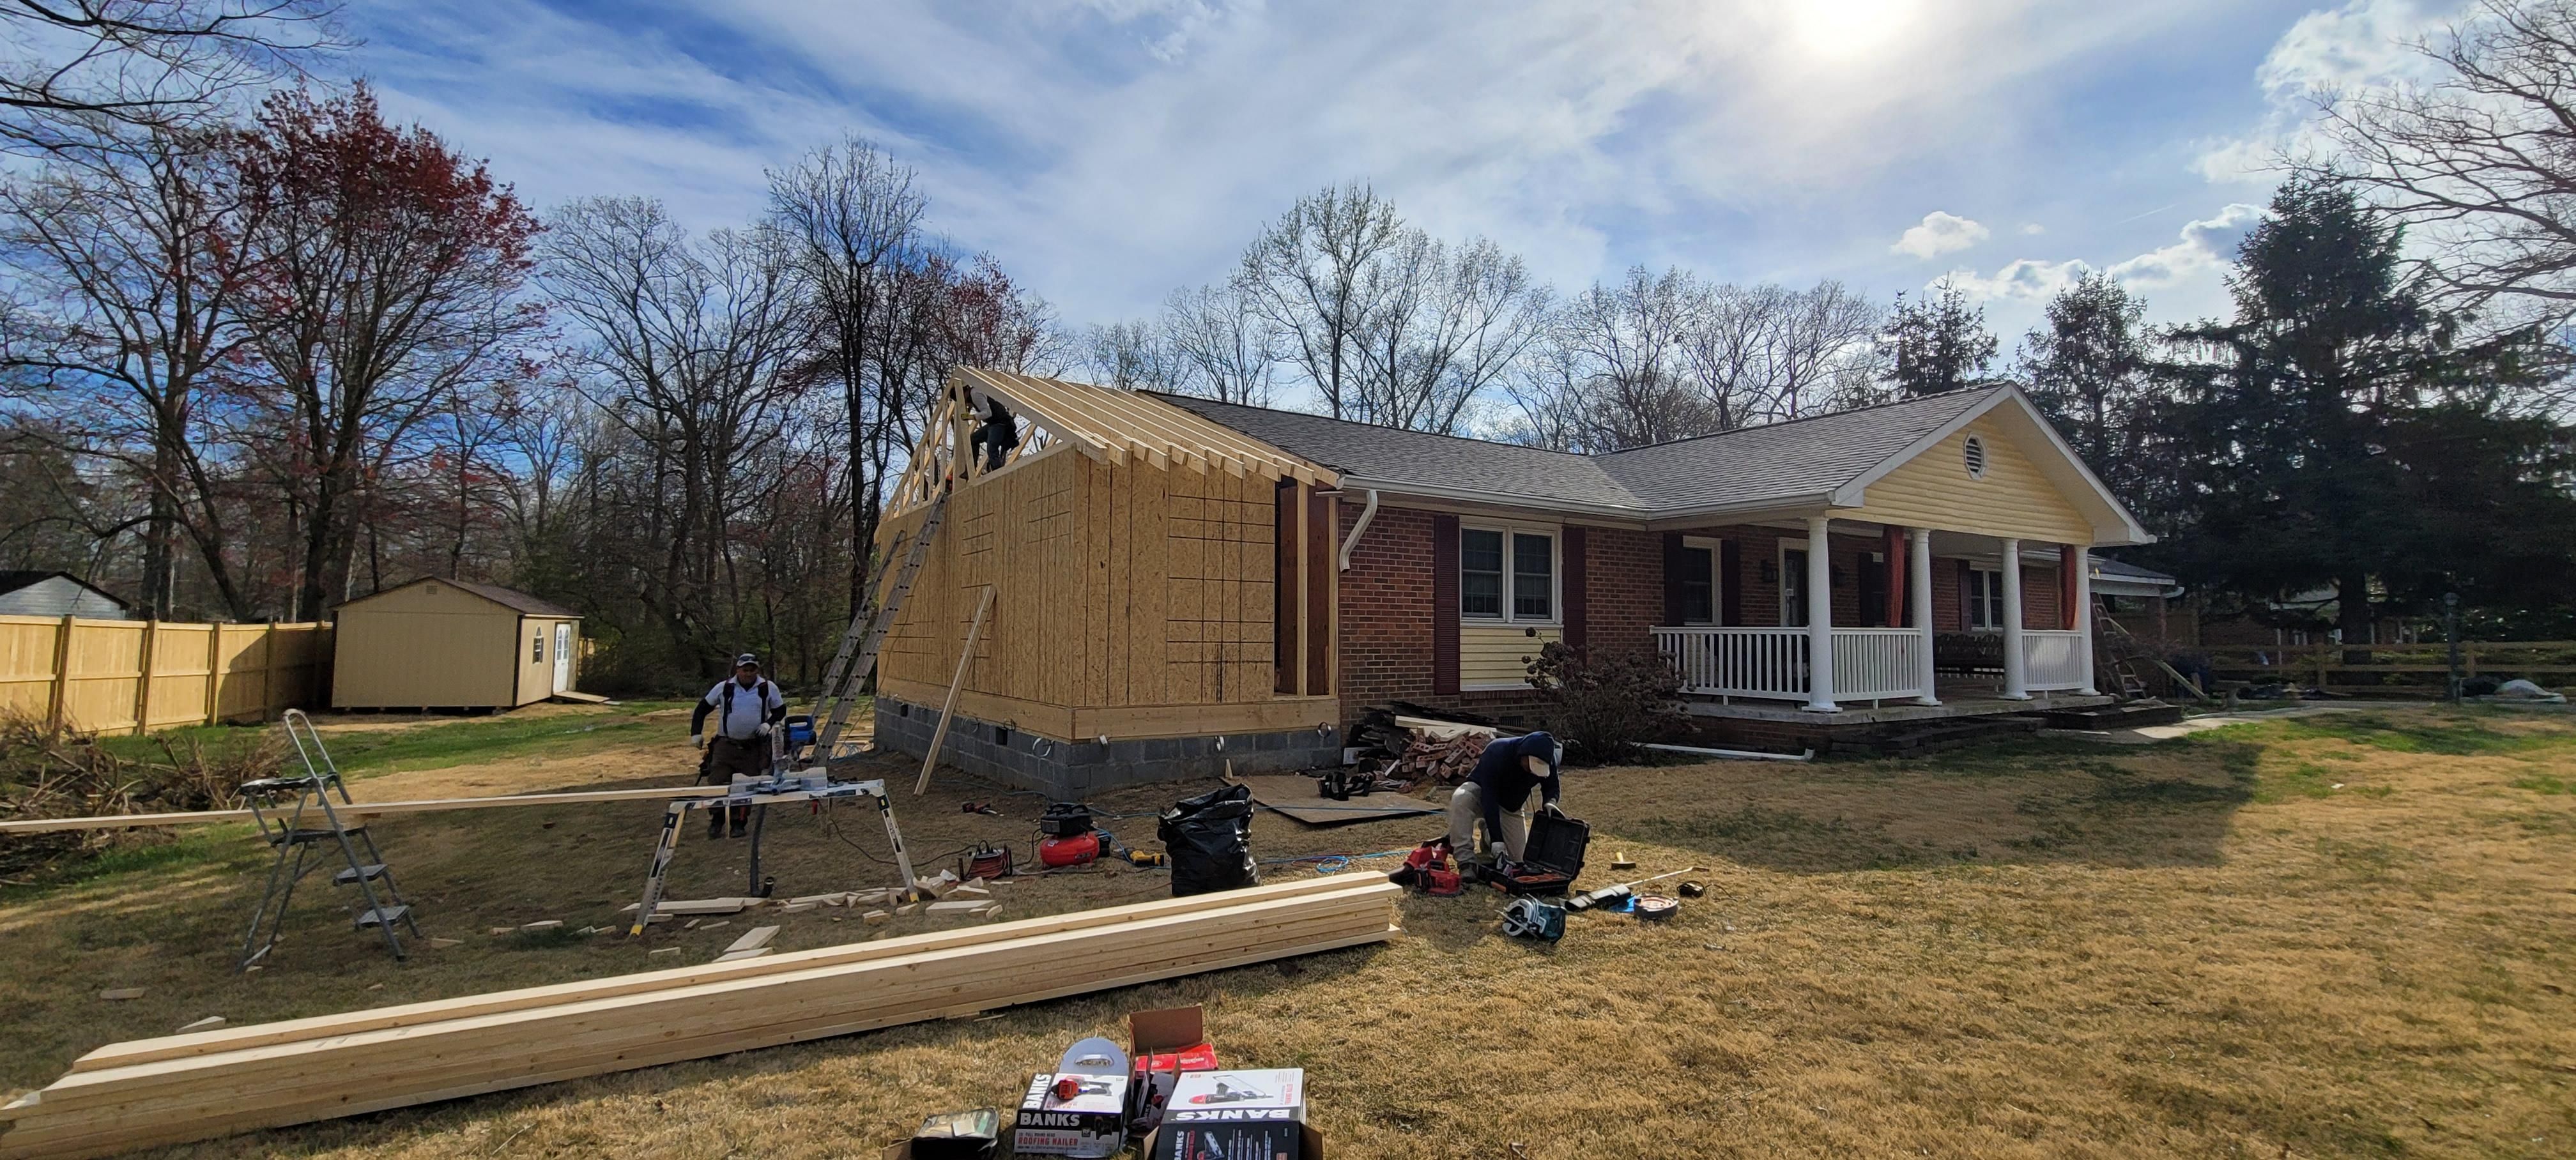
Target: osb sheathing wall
(1117, 587)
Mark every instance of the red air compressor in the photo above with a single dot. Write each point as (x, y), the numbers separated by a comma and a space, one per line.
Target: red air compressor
(1070, 838)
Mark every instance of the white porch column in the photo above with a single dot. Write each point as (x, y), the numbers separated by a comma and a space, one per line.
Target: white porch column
(1918, 592)
(2084, 617)
(2016, 676)
(1820, 618)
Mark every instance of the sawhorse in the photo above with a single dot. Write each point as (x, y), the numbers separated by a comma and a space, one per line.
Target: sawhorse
(811, 785)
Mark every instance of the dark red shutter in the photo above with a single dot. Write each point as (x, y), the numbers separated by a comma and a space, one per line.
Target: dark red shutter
(1895, 551)
(1966, 574)
(1730, 583)
(2067, 612)
(1444, 604)
(1672, 578)
(1577, 595)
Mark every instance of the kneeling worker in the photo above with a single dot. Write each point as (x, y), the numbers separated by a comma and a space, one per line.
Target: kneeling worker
(1495, 793)
(746, 708)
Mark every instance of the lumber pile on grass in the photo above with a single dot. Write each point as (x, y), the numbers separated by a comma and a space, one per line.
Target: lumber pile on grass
(199, 1086)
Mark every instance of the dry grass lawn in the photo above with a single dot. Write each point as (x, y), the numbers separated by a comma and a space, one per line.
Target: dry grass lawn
(2339, 936)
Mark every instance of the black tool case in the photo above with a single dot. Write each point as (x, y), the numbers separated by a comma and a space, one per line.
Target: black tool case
(1553, 856)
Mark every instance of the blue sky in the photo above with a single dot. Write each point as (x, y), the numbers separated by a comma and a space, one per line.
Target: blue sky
(1108, 151)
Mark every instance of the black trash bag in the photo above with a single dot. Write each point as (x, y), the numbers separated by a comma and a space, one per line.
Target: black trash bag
(1209, 839)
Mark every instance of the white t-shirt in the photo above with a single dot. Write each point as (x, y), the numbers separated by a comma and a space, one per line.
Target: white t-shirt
(750, 707)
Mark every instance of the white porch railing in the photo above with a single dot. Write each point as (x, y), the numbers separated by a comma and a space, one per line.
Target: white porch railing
(2052, 659)
(1876, 664)
(1771, 663)
(1738, 662)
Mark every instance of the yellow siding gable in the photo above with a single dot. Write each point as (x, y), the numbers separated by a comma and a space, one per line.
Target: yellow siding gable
(1492, 655)
(1934, 490)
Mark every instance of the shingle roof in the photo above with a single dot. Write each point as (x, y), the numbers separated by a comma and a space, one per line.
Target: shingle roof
(1801, 457)
(510, 598)
(14, 579)
(1394, 456)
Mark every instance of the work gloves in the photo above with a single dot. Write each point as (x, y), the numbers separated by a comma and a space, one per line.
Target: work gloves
(764, 728)
(697, 741)
(1554, 810)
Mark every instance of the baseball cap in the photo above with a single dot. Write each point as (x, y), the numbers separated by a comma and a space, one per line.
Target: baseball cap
(746, 659)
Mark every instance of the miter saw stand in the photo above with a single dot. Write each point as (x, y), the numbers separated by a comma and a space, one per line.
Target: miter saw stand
(811, 785)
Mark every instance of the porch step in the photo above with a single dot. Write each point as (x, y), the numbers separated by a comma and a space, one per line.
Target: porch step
(2125, 715)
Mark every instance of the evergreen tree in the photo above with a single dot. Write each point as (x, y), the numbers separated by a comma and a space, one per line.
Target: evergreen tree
(1937, 344)
(2086, 369)
(2341, 437)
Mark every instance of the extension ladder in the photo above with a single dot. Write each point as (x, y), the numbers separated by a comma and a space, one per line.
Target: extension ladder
(305, 834)
(866, 635)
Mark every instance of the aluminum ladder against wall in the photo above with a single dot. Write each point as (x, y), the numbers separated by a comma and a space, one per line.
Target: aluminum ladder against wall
(866, 635)
(296, 817)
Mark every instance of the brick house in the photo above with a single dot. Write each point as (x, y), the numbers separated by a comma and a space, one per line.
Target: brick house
(1918, 559)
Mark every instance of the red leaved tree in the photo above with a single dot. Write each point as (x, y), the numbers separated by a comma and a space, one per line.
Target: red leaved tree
(389, 267)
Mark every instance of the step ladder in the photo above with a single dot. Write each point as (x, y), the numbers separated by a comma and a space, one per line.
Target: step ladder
(867, 632)
(299, 821)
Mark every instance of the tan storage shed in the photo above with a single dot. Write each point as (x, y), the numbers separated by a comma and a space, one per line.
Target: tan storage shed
(451, 644)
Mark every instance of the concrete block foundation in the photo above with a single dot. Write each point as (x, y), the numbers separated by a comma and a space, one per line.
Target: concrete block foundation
(1072, 771)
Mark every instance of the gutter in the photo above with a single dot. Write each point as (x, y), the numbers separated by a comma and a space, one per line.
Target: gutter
(1367, 513)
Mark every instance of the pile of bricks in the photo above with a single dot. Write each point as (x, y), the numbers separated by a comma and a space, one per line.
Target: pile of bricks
(1439, 760)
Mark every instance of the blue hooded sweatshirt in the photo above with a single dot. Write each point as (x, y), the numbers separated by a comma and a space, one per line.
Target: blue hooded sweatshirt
(1504, 778)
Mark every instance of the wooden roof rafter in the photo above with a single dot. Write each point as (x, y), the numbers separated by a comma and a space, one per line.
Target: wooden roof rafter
(1123, 423)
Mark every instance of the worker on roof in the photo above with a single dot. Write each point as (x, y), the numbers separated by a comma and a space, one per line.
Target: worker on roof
(995, 436)
(1497, 791)
(747, 708)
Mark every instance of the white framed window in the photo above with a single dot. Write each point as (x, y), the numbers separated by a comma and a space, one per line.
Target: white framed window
(1703, 588)
(1507, 574)
(1985, 597)
(537, 648)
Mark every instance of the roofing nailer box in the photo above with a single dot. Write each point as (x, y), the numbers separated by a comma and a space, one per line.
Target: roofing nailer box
(1200, 1094)
(1165, 1044)
(1092, 1123)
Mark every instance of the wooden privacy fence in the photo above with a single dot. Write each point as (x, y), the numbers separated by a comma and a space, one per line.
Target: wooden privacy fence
(135, 676)
(2422, 665)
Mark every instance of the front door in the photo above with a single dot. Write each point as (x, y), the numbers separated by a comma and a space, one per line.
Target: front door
(563, 656)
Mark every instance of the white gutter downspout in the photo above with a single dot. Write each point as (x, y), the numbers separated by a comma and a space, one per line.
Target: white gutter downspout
(1367, 513)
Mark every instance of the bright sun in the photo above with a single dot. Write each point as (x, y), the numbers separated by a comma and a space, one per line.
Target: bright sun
(1846, 29)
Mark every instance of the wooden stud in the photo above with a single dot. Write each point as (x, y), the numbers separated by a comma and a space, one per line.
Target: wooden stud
(965, 658)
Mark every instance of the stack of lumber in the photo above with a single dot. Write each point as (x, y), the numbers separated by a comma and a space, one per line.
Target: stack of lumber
(212, 1083)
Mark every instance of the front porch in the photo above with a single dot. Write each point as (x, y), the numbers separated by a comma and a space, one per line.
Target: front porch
(1910, 646)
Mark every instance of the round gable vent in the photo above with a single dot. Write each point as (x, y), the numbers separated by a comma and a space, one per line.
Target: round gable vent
(1974, 452)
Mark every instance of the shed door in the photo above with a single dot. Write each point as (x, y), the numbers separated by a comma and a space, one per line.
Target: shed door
(563, 655)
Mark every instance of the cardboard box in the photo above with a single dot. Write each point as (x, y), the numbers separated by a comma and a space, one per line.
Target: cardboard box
(1244, 1138)
(1164, 1044)
(1091, 1124)
(1201, 1095)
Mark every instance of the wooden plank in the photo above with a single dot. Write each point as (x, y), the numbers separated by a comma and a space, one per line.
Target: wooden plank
(765, 1003)
(753, 939)
(365, 809)
(948, 711)
(419, 1014)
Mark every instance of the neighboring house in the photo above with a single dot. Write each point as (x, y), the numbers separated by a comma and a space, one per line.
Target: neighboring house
(39, 593)
(1804, 577)
(436, 643)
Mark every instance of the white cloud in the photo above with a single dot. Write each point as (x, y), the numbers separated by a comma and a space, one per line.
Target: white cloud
(2207, 244)
(2033, 229)
(2025, 279)
(2365, 42)
(1940, 233)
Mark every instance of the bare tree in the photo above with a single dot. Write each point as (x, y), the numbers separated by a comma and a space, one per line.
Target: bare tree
(1767, 352)
(691, 351)
(83, 69)
(1131, 356)
(855, 219)
(126, 276)
(1308, 276)
(2482, 160)
(387, 270)
(1440, 328)
(1227, 350)
(1611, 373)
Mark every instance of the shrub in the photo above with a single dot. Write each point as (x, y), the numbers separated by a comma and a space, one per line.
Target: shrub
(1603, 705)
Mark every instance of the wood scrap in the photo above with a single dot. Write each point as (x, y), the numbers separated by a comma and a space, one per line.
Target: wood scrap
(753, 939)
(121, 994)
(877, 918)
(958, 907)
(440, 944)
(661, 951)
(547, 924)
(796, 907)
(179, 1089)
(738, 956)
(907, 908)
(208, 1023)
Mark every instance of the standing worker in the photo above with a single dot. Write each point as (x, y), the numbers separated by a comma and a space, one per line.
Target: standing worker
(1495, 793)
(747, 708)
